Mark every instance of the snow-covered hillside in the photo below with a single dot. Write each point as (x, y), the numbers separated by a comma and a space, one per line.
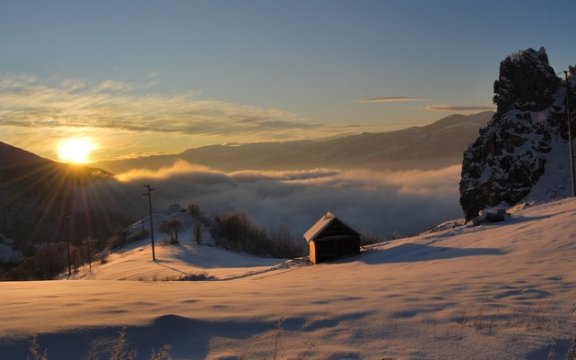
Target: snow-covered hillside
(178, 261)
(500, 291)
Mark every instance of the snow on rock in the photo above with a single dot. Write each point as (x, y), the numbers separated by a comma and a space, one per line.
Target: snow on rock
(524, 146)
(498, 291)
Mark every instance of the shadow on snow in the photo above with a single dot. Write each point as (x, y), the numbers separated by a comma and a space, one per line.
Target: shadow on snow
(190, 338)
(419, 252)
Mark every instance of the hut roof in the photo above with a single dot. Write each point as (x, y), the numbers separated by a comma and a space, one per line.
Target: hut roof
(322, 224)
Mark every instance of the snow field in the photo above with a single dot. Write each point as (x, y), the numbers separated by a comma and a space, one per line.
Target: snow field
(500, 291)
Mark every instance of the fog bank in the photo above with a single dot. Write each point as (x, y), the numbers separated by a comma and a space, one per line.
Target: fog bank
(376, 203)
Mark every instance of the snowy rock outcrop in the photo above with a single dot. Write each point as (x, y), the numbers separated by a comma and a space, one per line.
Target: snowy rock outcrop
(515, 149)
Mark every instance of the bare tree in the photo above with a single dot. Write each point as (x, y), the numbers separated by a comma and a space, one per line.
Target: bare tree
(171, 228)
(283, 243)
(197, 213)
(198, 232)
(89, 247)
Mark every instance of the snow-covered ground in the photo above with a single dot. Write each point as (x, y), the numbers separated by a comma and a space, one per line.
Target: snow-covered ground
(498, 291)
(177, 261)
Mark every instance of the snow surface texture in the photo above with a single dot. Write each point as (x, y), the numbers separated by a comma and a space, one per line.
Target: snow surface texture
(504, 291)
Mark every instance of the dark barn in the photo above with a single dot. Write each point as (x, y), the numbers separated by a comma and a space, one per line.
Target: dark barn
(330, 238)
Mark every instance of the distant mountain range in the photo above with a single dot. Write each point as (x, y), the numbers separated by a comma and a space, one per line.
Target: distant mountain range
(426, 147)
(16, 161)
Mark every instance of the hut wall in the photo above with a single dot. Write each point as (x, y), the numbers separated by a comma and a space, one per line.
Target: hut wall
(333, 241)
(313, 258)
(349, 246)
(325, 249)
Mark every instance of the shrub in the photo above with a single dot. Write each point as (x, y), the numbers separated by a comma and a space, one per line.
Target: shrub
(103, 256)
(120, 350)
(197, 213)
(162, 354)
(35, 352)
(89, 250)
(116, 240)
(370, 240)
(136, 236)
(572, 353)
(235, 231)
(51, 260)
(283, 244)
(122, 238)
(197, 277)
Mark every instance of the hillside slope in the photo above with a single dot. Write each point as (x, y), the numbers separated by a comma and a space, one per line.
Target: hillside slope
(502, 291)
(37, 197)
(178, 261)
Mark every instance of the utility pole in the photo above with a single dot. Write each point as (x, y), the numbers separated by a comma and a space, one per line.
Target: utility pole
(69, 223)
(569, 123)
(149, 194)
(68, 245)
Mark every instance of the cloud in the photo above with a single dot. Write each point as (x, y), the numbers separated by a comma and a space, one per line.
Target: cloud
(111, 85)
(178, 168)
(377, 203)
(72, 84)
(15, 82)
(444, 107)
(29, 102)
(391, 99)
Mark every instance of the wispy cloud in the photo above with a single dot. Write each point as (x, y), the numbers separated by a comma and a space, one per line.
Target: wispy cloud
(29, 102)
(72, 84)
(391, 99)
(111, 85)
(180, 167)
(464, 108)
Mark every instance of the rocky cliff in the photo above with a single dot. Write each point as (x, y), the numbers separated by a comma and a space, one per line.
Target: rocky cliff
(525, 139)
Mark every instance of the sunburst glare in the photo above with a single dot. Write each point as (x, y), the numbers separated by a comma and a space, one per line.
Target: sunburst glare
(76, 150)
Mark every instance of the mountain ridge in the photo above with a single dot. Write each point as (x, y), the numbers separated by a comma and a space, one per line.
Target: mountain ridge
(13, 156)
(46, 202)
(436, 145)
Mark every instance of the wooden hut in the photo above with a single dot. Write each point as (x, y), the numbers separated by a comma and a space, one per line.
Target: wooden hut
(330, 238)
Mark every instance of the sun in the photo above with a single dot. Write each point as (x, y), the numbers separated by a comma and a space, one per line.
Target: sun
(75, 150)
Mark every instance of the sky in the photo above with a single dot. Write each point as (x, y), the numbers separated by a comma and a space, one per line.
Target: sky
(149, 77)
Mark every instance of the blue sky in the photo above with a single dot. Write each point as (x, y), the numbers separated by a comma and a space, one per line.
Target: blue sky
(238, 71)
